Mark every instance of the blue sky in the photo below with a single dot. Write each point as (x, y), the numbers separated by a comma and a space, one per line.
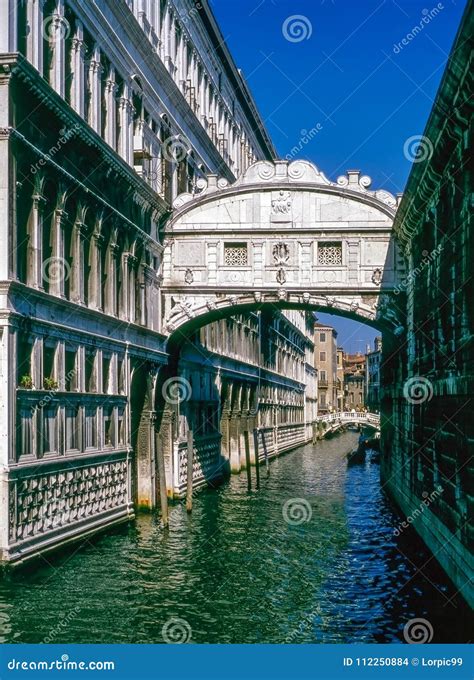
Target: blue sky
(350, 77)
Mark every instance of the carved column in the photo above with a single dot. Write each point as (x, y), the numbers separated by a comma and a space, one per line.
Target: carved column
(110, 292)
(77, 70)
(353, 262)
(145, 453)
(34, 275)
(95, 275)
(212, 263)
(306, 264)
(61, 270)
(110, 109)
(203, 97)
(8, 27)
(34, 34)
(126, 125)
(167, 442)
(132, 274)
(234, 430)
(124, 312)
(182, 62)
(57, 30)
(95, 70)
(258, 262)
(77, 269)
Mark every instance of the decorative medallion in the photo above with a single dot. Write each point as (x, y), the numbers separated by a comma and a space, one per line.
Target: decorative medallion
(189, 276)
(281, 276)
(281, 253)
(377, 276)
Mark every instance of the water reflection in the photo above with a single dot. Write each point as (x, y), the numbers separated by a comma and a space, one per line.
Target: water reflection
(237, 571)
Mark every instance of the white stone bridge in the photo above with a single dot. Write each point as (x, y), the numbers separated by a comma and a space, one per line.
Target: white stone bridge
(335, 420)
(281, 235)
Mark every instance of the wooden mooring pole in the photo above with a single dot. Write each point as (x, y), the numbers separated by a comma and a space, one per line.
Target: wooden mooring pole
(265, 453)
(189, 472)
(257, 462)
(162, 480)
(247, 459)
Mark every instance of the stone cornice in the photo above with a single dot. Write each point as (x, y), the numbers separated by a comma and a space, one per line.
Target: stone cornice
(21, 68)
(163, 94)
(442, 133)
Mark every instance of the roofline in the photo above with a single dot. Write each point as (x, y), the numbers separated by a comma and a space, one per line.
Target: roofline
(242, 90)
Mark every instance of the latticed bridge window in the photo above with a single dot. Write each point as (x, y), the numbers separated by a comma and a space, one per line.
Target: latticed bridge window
(236, 254)
(330, 252)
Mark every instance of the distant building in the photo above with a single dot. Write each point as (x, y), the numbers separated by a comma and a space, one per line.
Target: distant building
(326, 365)
(340, 379)
(372, 371)
(354, 381)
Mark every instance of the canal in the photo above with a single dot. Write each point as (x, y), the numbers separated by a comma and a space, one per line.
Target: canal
(309, 558)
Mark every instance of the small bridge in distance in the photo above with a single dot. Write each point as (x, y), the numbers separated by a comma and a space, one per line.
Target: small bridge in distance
(334, 421)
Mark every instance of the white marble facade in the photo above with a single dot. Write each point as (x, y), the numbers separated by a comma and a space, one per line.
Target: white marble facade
(110, 110)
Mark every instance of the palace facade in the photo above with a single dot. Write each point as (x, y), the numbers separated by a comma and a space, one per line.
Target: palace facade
(110, 110)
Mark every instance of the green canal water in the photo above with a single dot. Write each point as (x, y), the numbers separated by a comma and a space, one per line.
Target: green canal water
(242, 569)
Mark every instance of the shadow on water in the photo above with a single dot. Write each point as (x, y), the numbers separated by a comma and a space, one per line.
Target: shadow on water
(311, 557)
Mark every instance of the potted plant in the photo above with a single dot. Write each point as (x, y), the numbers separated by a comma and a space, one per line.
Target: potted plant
(50, 384)
(26, 382)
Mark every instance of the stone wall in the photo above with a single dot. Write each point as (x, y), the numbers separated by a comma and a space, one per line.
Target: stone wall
(428, 428)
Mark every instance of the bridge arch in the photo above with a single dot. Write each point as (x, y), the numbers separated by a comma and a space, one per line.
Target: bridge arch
(282, 235)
